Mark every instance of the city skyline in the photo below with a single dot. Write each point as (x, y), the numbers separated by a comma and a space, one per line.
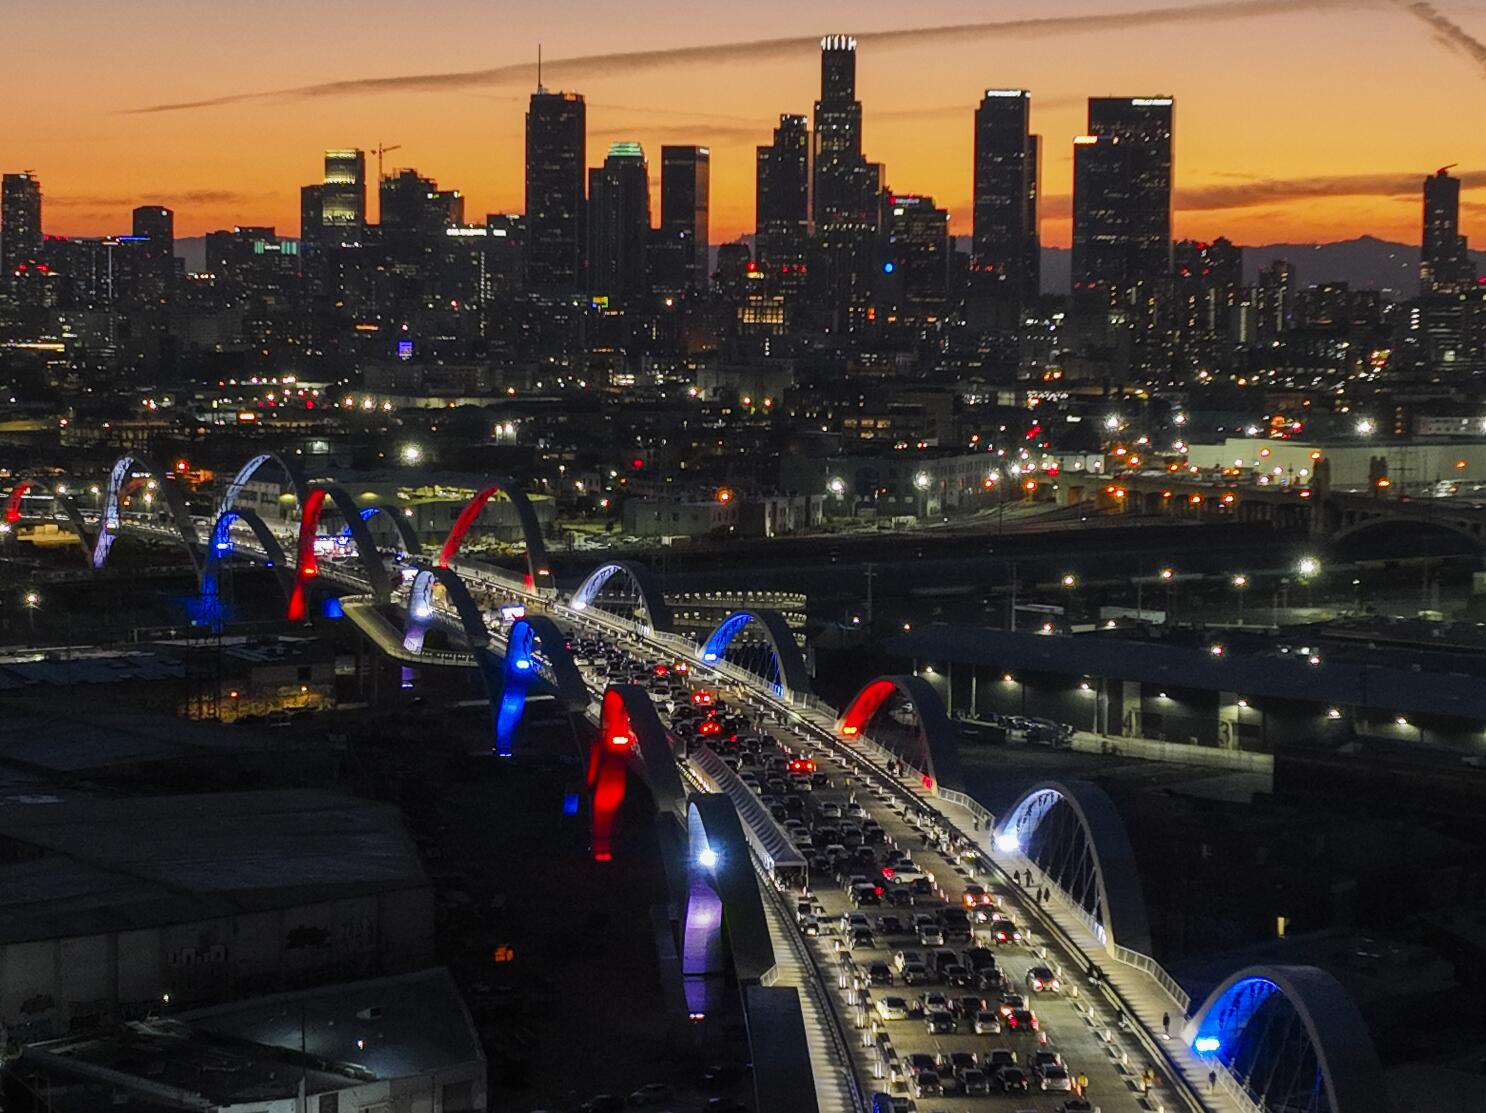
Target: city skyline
(1243, 167)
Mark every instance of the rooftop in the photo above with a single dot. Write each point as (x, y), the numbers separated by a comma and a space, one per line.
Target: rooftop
(114, 864)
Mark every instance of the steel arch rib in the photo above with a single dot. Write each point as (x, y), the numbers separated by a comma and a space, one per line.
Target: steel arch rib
(170, 491)
(245, 475)
(219, 548)
(471, 618)
(538, 571)
(712, 822)
(781, 638)
(400, 525)
(307, 564)
(657, 610)
(68, 504)
(940, 759)
(630, 735)
(1344, 1049)
(1121, 894)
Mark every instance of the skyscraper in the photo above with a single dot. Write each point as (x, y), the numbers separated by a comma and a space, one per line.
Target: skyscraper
(915, 269)
(556, 158)
(20, 223)
(845, 185)
(846, 191)
(154, 227)
(685, 205)
(1006, 242)
(782, 204)
(1122, 187)
(343, 200)
(1445, 266)
(619, 223)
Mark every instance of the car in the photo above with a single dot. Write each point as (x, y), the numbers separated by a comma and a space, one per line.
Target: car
(862, 938)
(980, 958)
(956, 975)
(866, 896)
(998, 1057)
(1055, 1080)
(1004, 931)
(1077, 1105)
(880, 973)
(921, 1061)
(921, 887)
(975, 895)
(957, 1063)
(1021, 1020)
(890, 925)
(1045, 1058)
(892, 1008)
(810, 925)
(888, 1103)
(975, 1083)
(956, 924)
(932, 1001)
(900, 898)
(1011, 1001)
(903, 958)
(830, 810)
(916, 973)
(967, 1007)
(931, 935)
(987, 1023)
(1042, 979)
(902, 873)
(652, 1093)
(940, 1022)
(853, 921)
(1013, 1080)
(926, 1084)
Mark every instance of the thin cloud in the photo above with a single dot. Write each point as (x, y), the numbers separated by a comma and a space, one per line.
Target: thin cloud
(1260, 192)
(710, 134)
(1450, 33)
(189, 197)
(593, 66)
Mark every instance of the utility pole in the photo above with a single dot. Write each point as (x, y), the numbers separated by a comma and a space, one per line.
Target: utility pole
(871, 570)
(1011, 614)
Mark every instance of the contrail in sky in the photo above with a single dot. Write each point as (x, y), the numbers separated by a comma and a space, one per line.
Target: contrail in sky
(760, 50)
(1447, 31)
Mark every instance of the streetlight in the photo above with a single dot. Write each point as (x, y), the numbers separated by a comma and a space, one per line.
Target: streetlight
(1070, 580)
(410, 454)
(32, 599)
(1240, 582)
(1309, 568)
(1366, 427)
(836, 485)
(922, 481)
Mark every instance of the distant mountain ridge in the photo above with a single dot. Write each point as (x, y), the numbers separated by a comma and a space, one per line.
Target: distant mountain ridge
(1365, 263)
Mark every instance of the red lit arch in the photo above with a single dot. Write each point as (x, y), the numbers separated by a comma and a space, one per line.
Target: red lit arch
(538, 572)
(307, 565)
(936, 754)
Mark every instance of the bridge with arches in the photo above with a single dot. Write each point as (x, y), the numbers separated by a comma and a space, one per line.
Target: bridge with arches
(1266, 1030)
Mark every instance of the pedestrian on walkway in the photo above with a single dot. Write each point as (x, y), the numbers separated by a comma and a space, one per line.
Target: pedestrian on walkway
(1212, 1080)
(1166, 1025)
(1083, 1084)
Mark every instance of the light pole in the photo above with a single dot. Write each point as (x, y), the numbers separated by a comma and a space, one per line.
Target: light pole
(1168, 577)
(32, 599)
(1309, 568)
(1240, 582)
(921, 483)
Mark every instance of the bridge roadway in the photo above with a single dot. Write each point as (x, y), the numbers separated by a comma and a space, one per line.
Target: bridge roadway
(1112, 1033)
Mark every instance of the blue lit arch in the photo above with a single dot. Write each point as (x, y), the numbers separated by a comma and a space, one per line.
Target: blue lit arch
(245, 474)
(651, 601)
(536, 651)
(1099, 874)
(407, 537)
(171, 494)
(220, 546)
(1292, 1038)
(786, 673)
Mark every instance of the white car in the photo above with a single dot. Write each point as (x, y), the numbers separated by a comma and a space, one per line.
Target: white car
(892, 1008)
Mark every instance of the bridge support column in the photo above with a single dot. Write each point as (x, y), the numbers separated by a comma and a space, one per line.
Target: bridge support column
(1131, 725)
(1229, 717)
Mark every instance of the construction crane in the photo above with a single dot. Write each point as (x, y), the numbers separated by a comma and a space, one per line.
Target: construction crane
(380, 150)
(1442, 169)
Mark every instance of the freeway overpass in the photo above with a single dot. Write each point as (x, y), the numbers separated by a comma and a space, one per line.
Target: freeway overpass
(1269, 1039)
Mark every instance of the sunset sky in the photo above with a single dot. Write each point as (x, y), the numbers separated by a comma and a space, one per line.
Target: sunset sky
(1294, 120)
